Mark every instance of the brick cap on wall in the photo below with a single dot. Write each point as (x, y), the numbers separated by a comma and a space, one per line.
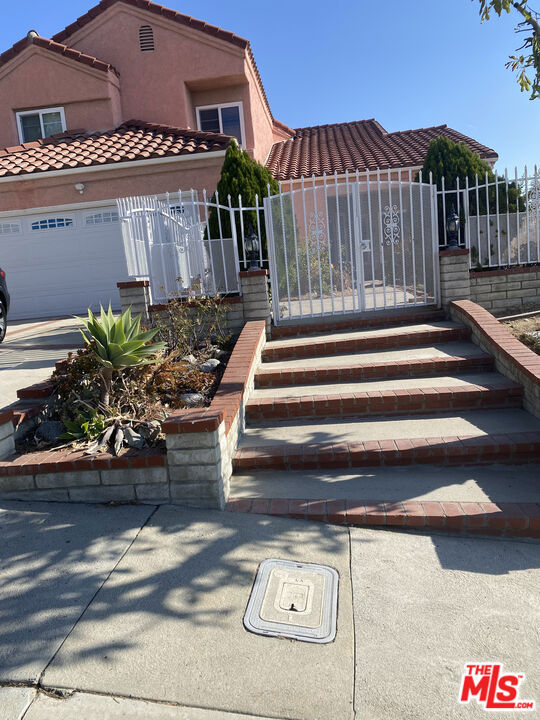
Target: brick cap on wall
(227, 400)
(523, 359)
(504, 271)
(449, 253)
(224, 300)
(133, 284)
(253, 273)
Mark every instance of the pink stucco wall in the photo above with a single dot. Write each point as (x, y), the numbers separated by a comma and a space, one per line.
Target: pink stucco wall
(123, 181)
(188, 68)
(39, 78)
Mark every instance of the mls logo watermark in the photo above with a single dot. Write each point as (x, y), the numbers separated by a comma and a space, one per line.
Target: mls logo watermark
(492, 687)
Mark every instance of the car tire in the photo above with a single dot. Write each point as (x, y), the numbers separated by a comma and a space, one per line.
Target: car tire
(3, 321)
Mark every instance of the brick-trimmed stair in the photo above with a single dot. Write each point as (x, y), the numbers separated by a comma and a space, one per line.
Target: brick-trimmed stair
(406, 395)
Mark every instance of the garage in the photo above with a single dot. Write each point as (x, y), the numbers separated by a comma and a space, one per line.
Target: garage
(62, 262)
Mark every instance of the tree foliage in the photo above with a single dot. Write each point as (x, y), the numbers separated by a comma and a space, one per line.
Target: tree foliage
(527, 63)
(456, 162)
(241, 176)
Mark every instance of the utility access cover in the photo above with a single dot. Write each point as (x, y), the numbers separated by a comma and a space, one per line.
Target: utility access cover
(295, 600)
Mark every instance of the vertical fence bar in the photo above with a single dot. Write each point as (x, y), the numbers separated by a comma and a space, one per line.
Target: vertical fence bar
(358, 252)
(467, 215)
(259, 235)
(527, 215)
(218, 210)
(242, 233)
(285, 248)
(488, 219)
(508, 249)
(422, 228)
(392, 253)
(498, 220)
(478, 243)
(443, 208)
(381, 229)
(317, 238)
(373, 287)
(329, 244)
(300, 300)
(352, 241)
(339, 244)
(537, 203)
(458, 205)
(206, 221)
(274, 278)
(232, 221)
(401, 214)
(306, 238)
(413, 253)
(517, 219)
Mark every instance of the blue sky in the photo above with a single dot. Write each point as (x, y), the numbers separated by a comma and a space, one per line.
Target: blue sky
(408, 64)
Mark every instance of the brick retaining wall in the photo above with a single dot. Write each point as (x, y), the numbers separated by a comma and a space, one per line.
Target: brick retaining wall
(194, 469)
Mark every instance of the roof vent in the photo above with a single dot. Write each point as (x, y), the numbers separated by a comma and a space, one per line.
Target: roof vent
(146, 38)
(32, 34)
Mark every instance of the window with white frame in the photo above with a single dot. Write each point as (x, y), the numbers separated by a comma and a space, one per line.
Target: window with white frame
(36, 124)
(227, 119)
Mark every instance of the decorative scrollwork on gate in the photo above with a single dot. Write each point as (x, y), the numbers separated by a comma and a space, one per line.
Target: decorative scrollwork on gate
(391, 225)
(533, 197)
(317, 229)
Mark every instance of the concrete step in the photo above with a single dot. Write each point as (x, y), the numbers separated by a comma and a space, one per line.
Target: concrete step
(481, 483)
(352, 342)
(452, 357)
(391, 397)
(475, 436)
(483, 518)
(383, 318)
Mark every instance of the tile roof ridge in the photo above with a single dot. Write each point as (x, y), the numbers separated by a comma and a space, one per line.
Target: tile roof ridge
(34, 38)
(343, 124)
(173, 129)
(423, 129)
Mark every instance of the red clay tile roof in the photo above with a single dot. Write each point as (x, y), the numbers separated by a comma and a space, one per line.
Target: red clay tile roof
(177, 17)
(59, 48)
(359, 145)
(133, 140)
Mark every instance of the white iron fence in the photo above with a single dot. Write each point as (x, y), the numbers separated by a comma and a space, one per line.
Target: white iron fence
(352, 244)
(170, 243)
(499, 217)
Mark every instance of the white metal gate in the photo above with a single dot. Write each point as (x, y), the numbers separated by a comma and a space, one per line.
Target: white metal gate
(351, 244)
(169, 242)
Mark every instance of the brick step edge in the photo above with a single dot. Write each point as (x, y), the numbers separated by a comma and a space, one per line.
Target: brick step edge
(517, 448)
(486, 518)
(387, 402)
(390, 341)
(421, 367)
(380, 321)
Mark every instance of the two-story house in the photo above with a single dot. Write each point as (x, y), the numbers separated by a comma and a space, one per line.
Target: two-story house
(133, 99)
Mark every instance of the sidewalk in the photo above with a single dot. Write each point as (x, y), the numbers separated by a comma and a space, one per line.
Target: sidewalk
(136, 611)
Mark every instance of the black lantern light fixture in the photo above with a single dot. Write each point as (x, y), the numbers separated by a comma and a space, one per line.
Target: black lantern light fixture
(452, 228)
(252, 247)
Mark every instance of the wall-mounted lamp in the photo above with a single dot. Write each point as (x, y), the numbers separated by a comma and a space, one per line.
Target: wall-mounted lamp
(81, 187)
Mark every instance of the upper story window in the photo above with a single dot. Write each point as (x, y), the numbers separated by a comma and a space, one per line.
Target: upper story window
(146, 38)
(36, 124)
(227, 119)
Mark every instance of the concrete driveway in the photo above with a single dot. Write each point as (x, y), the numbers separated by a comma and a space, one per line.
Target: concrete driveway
(31, 349)
(136, 612)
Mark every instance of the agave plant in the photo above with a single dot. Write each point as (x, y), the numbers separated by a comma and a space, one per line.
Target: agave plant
(118, 343)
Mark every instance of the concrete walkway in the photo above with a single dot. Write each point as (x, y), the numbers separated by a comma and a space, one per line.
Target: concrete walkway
(30, 350)
(136, 611)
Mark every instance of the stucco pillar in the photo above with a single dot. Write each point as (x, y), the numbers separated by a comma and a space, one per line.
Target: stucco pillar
(455, 278)
(254, 284)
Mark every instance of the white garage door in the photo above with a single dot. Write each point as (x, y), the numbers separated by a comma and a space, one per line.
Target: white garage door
(63, 262)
